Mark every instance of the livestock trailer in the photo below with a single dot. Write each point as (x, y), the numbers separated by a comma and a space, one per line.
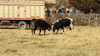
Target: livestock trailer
(21, 12)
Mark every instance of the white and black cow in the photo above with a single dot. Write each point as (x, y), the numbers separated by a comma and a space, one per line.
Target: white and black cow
(65, 22)
(41, 25)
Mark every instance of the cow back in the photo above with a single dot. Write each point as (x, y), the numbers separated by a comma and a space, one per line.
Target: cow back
(65, 22)
(62, 23)
(41, 23)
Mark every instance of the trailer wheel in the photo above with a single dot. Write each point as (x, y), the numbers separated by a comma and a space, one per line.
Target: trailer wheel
(22, 25)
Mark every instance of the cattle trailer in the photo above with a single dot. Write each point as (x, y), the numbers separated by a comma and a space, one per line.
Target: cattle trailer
(21, 12)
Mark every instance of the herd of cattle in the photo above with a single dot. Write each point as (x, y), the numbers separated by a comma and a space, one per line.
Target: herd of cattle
(43, 25)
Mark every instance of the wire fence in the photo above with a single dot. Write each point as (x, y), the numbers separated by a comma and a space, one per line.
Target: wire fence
(79, 19)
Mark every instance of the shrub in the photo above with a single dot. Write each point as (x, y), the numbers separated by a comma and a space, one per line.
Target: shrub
(86, 5)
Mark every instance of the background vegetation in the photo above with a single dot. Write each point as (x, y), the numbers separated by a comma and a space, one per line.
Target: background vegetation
(86, 5)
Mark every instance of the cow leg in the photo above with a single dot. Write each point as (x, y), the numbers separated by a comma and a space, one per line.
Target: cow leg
(71, 27)
(40, 32)
(44, 32)
(32, 30)
(63, 30)
(57, 31)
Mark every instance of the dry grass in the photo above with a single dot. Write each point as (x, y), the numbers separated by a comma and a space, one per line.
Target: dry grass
(15, 42)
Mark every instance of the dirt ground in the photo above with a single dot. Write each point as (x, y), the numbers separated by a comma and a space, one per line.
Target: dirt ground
(16, 42)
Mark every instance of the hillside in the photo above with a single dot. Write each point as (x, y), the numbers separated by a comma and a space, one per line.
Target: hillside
(81, 5)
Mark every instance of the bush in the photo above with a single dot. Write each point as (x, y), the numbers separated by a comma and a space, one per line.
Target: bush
(86, 5)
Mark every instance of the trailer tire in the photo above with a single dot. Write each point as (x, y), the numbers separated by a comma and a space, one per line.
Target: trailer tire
(22, 25)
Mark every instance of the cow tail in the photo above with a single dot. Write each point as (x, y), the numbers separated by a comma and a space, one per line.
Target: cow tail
(75, 26)
(32, 22)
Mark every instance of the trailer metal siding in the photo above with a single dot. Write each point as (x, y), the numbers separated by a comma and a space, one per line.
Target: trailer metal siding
(21, 9)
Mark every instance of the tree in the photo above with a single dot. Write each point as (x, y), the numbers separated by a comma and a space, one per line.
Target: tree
(86, 5)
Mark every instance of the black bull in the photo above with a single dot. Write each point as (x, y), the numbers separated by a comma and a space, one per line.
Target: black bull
(41, 25)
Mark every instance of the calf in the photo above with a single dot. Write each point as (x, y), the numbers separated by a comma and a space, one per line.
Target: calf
(66, 22)
(41, 25)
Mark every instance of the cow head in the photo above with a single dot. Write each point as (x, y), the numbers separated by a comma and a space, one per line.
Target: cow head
(54, 29)
(49, 28)
(55, 26)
